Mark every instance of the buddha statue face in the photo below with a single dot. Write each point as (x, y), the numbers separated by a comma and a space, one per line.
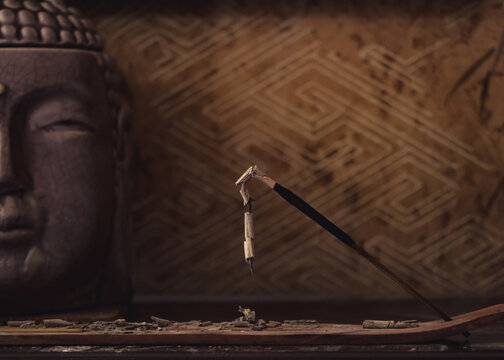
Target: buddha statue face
(58, 173)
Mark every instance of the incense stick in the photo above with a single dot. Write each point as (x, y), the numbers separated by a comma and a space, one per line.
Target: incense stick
(305, 208)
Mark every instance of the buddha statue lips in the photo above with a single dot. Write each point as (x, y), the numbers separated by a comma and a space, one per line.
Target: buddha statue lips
(18, 220)
(62, 147)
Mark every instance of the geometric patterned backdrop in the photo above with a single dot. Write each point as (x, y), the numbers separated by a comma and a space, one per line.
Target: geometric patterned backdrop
(341, 101)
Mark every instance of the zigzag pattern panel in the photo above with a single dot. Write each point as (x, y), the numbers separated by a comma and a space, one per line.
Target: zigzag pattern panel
(343, 102)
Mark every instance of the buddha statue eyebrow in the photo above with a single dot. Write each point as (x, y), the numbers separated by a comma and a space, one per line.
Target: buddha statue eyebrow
(26, 105)
(75, 91)
(27, 102)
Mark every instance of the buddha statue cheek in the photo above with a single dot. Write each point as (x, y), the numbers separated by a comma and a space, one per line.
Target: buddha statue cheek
(73, 179)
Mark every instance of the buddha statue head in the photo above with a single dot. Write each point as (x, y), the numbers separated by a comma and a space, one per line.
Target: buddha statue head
(63, 156)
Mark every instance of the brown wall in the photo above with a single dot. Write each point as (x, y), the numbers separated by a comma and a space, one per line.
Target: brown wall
(344, 102)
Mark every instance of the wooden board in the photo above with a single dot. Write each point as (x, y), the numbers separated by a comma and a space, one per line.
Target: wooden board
(323, 334)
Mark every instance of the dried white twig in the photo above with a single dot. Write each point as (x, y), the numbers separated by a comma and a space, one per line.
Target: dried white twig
(252, 173)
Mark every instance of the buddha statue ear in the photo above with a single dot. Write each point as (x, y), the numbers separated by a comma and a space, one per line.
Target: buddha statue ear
(116, 287)
(123, 150)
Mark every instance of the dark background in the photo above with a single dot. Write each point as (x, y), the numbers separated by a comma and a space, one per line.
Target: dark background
(344, 102)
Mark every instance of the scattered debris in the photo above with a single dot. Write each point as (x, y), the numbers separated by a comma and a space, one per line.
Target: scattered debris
(239, 323)
(119, 325)
(24, 324)
(120, 322)
(248, 321)
(56, 323)
(161, 321)
(259, 325)
(389, 324)
(100, 326)
(142, 326)
(273, 324)
(248, 315)
(192, 323)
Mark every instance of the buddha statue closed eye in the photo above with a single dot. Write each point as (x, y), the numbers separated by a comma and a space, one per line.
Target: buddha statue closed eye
(62, 162)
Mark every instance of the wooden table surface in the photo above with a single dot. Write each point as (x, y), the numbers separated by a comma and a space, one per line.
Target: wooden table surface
(486, 343)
